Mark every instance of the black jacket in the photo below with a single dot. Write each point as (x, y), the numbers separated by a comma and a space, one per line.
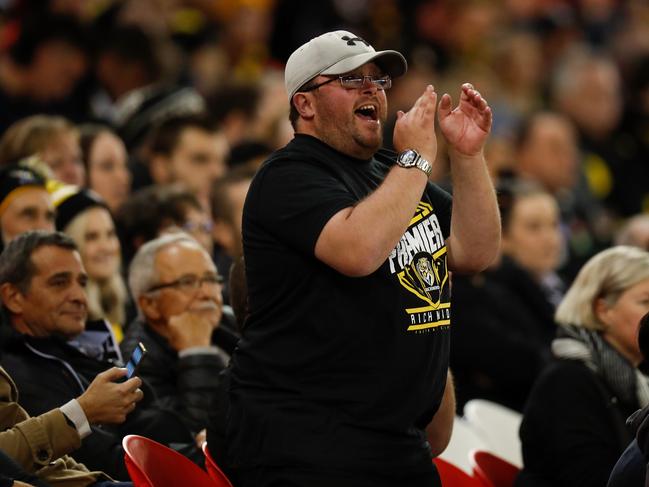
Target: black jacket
(183, 384)
(49, 372)
(501, 333)
(573, 429)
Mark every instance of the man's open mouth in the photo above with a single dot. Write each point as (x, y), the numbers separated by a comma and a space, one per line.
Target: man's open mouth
(367, 112)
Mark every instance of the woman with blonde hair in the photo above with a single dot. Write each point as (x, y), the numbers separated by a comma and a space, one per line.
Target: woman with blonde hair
(573, 428)
(54, 139)
(83, 215)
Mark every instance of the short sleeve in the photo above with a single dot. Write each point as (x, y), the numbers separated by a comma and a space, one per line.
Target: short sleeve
(293, 201)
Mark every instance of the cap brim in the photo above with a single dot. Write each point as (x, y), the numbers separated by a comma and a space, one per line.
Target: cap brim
(391, 62)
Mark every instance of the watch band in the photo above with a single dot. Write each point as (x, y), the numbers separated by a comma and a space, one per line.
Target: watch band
(411, 158)
(424, 165)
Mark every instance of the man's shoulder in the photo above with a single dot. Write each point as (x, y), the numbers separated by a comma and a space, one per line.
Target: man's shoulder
(139, 331)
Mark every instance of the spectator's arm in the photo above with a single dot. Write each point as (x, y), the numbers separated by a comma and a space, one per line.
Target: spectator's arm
(439, 430)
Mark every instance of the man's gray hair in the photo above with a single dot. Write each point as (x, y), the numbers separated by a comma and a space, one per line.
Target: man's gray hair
(16, 266)
(142, 273)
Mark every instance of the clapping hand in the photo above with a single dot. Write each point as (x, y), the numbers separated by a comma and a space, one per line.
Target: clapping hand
(466, 126)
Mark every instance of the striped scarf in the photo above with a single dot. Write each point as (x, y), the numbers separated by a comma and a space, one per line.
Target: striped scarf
(629, 385)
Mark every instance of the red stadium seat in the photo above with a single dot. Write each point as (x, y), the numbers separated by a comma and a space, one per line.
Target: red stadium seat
(151, 464)
(453, 476)
(213, 469)
(493, 470)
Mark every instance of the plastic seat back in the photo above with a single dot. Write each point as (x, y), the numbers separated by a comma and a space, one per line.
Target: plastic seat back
(493, 470)
(464, 439)
(453, 476)
(151, 464)
(213, 469)
(499, 426)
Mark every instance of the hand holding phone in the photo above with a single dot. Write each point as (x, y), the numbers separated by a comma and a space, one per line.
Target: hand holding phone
(110, 397)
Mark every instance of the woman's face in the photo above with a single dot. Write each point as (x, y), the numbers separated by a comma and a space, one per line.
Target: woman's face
(533, 238)
(199, 226)
(63, 154)
(621, 319)
(108, 172)
(100, 250)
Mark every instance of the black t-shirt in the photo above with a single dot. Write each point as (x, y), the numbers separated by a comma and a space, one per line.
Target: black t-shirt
(337, 371)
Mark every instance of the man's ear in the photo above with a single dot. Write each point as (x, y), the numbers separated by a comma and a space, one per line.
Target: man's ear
(149, 307)
(159, 169)
(12, 298)
(303, 103)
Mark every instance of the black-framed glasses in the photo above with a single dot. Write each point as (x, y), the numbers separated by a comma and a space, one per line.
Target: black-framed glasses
(189, 283)
(354, 82)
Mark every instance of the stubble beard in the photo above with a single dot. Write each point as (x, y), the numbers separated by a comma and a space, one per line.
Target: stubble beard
(350, 138)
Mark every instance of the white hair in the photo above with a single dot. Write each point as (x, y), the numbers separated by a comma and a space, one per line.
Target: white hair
(606, 275)
(143, 273)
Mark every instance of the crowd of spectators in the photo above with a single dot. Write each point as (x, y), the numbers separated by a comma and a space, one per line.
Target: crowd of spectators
(123, 121)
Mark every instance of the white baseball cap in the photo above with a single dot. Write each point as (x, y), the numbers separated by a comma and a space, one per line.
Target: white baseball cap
(336, 52)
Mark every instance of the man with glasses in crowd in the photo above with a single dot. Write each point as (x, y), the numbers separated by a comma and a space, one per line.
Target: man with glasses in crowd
(177, 290)
(342, 369)
(53, 358)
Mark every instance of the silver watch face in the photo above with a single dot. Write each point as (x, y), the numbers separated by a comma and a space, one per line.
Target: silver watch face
(407, 158)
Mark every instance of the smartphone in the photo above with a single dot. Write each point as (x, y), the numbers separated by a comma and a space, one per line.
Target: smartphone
(134, 361)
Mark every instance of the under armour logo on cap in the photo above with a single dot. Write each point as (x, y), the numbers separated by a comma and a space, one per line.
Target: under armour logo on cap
(326, 54)
(351, 40)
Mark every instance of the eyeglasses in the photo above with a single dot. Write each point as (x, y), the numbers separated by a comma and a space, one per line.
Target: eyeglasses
(189, 283)
(205, 227)
(354, 82)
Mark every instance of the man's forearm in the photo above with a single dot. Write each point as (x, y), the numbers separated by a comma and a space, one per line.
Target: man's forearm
(475, 223)
(357, 240)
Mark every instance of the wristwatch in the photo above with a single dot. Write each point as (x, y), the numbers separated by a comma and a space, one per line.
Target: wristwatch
(411, 158)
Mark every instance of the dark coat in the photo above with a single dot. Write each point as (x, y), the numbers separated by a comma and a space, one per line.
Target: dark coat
(573, 429)
(501, 333)
(632, 468)
(49, 372)
(184, 384)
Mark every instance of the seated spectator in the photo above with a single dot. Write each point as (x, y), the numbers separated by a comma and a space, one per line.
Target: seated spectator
(504, 317)
(106, 161)
(44, 59)
(635, 232)
(573, 428)
(631, 468)
(39, 445)
(227, 197)
(189, 150)
(53, 355)
(25, 204)
(177, 289)
(54, 139)
(84, 216)
(137, 89)
(155, 210)
(547, 152)
(234, 106)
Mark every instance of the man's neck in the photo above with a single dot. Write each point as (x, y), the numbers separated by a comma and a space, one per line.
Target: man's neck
(351, 150)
